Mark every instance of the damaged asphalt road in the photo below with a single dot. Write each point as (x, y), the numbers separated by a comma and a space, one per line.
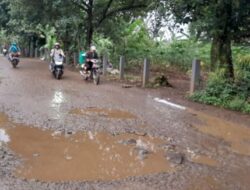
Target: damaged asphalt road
(70, 134)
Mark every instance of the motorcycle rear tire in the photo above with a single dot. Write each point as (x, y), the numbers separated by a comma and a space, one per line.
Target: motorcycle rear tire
(14, 63)
(58, 75)
(96, 78)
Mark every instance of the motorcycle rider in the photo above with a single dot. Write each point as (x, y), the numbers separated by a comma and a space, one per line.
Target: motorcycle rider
(56, 54)
(92, 54)
(4, 50)
(14, 50)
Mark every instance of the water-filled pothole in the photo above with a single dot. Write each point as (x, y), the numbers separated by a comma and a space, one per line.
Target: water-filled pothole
(236, 135)
(204, 160)
(85, 156)
(56, 156)
(102, 112)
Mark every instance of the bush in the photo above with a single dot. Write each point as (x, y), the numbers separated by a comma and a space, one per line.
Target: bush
(226, 93)
(236, 104)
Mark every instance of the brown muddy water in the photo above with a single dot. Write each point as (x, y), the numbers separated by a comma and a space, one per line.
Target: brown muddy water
(109, 113)
(55, 156)
(90, 156)
(235, 134)
(205, 183)
(204, 160)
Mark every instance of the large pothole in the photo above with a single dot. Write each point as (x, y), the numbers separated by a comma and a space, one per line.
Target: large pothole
(84, 156)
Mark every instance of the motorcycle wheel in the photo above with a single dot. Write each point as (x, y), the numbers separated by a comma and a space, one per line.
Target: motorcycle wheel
(58, 75)
(96, 78)
(86, 76)
(14, 63)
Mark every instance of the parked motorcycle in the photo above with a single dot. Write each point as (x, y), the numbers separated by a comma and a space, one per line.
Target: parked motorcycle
(92, 73)
(57, 68)
(14, 59)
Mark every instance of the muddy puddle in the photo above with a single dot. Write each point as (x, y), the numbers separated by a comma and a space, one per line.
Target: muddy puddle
(58, 156)
(102, 112)
(4, 137)
(205, 183)
(205, 160)
(235, 134)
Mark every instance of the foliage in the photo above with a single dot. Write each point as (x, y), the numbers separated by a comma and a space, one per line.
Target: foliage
(221, 91)
(49, 34)
(105, 45)
(120, 28)
(137, 41)
(98, 11)
(221, 20)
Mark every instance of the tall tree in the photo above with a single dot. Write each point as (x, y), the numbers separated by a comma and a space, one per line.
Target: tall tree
(222, 20)
(30, 19)
(97, 11)
(4, 14)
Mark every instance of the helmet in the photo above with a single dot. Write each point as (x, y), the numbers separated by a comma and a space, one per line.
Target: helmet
(57, 44)
(93, 48)
(13, 43)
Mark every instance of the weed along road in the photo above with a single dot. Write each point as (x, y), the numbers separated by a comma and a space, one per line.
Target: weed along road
(72, 134)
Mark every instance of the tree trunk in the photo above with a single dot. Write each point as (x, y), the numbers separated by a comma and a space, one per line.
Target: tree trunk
(221, 53)
(90, 29)
(225, 56)
(214, 53)
(89, 34)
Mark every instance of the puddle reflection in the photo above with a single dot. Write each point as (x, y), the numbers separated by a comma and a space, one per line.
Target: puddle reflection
(56, 103)
(3, 136)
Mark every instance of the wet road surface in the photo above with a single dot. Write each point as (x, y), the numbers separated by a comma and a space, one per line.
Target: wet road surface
(70, 134)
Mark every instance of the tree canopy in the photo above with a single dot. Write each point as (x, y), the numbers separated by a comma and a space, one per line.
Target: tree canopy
(223, 21)
(76, 23)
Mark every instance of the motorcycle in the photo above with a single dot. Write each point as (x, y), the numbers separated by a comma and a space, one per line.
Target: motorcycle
(5, 51)
(56, 68)
(91, 74)
(14, 59)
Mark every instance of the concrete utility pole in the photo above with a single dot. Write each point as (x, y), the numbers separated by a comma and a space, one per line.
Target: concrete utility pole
(104, 64)
(122, 64)
(75, 58)
(195, 79)
(67, 58)
(145, 78)
(36, 52)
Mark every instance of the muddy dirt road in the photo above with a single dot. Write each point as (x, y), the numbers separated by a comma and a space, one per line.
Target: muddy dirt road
(70, 134)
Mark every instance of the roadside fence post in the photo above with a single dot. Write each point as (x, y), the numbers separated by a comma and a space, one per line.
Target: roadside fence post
(104, 64)
(121, 67)
(145, 73)
(75, 58)
(36, 52)
(195, 78)
(67, 58)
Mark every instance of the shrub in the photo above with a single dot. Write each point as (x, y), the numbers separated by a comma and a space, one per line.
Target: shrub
(225, 93)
